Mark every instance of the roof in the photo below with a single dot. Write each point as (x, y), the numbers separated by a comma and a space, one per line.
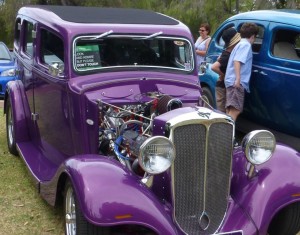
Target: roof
(283, 16)
(78, 14)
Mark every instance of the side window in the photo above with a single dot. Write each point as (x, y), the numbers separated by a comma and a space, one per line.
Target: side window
(219, 40)
(52, 48)
(297, 44)
(259, 39)
(28, 43)
(256, 45)
(17, 32)
(286, 44)
(182, 54)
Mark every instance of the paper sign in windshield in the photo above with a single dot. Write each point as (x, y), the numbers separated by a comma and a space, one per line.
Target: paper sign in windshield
(87, 57)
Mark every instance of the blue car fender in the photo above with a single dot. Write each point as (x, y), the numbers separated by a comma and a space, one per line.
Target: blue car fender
(209, 79)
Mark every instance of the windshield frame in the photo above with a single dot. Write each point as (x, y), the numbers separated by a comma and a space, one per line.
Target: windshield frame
(133, 66)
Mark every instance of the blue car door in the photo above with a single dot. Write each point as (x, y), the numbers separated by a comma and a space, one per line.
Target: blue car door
(275, 81)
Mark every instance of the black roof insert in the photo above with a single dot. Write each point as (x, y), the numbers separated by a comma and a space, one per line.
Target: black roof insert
(108, 15)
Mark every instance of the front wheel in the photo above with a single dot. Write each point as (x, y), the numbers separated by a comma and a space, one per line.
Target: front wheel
(207, 97)
(75, 223)
(10, 129)
(287, 221)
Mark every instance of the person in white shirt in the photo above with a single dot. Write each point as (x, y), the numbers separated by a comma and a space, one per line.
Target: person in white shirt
(202, 43)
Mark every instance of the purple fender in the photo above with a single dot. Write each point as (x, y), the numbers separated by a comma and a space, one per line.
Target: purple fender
(109, 194)
(15, 92)
(276, 185)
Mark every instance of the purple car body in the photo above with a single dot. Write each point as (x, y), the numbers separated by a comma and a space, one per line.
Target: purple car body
(105, 101)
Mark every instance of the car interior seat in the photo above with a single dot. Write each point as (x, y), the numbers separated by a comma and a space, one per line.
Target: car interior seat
(285, 50)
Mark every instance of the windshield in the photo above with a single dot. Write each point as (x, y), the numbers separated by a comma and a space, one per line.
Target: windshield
(92, 54)
(4, 53)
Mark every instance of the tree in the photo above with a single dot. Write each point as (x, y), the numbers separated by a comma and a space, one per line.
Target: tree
(190, 12)
(7, 18)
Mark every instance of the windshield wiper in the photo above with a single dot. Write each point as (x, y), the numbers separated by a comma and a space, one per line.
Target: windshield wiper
(102, 35)
(150, 36)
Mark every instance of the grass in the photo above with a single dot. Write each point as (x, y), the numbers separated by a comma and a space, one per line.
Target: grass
(23, 211)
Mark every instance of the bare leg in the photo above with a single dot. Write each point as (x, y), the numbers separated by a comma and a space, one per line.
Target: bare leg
(233, 112)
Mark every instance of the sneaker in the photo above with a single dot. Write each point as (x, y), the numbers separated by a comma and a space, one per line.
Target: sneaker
(235, 143)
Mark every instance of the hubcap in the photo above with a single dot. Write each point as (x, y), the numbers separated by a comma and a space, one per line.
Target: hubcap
(70, 213)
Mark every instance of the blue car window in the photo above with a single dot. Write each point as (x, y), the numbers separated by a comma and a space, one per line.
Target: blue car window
(259, 39)
(256, 46)
(286, 44)
(219, 40)
(4, 53)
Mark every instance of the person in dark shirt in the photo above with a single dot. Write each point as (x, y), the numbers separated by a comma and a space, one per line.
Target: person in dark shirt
(231, 37)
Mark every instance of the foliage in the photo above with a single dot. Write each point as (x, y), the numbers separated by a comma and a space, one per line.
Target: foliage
(190, 12)
(23, 211)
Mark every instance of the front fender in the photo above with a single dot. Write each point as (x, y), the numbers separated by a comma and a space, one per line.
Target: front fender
(275, 186)
(209, 79)
(109, 194)
(16, 94)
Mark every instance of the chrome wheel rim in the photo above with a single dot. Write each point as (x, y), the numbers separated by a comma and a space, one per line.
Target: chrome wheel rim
(10, 128)
(70, 213)
(206, 101)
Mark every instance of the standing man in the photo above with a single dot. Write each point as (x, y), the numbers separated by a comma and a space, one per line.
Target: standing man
(238, 71)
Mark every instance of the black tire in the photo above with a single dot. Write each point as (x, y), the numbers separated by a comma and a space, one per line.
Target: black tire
(75, 222)
(10, 129)
(287, 221)
(208, 97)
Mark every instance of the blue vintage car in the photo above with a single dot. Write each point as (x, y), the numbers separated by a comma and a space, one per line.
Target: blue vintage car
(273, 102)
(8, 70)
(108, 117)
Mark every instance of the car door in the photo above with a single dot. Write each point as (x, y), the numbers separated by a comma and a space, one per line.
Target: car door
(275, 81)
(253, 107)
(51, 98)
(24, 42)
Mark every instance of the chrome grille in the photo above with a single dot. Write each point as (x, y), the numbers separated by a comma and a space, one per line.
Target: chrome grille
(201, 175)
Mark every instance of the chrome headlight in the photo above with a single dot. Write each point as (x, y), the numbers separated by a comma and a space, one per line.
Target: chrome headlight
(156, 154)
(259, 146)
(8, 73)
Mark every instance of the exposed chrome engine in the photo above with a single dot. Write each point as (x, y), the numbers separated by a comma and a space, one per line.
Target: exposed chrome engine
(123, 130)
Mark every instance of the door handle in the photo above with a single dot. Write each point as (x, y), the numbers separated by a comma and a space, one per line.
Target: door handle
(263, 73)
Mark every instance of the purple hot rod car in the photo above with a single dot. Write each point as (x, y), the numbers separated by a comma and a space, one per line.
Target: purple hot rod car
(108, 117)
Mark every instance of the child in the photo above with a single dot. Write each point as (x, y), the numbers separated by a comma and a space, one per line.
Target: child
(231, 37)
(238, 71)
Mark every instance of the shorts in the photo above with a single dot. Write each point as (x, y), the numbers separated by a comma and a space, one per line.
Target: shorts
(221, 98)
(235, 97)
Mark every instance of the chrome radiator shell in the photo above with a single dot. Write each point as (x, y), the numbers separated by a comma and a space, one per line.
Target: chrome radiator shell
(202, 170)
